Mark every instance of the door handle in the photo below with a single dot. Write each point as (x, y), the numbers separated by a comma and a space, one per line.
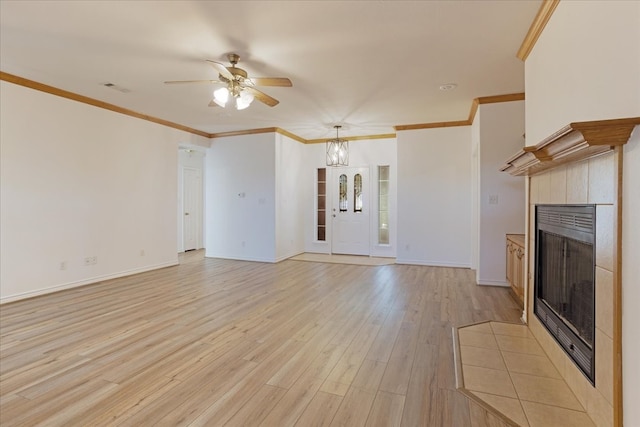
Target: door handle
(334, 215)
(186, 213)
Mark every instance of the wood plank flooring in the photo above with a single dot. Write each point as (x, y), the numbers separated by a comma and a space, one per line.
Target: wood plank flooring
(230, 343)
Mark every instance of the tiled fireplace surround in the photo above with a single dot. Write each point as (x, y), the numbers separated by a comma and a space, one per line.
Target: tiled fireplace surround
(582, 164)
(592, 181)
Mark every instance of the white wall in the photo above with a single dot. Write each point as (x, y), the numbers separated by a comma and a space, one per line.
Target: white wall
(434, 196)
(292, 180)
(501, 199)
(362, 153)
(586, 66)
(240, 198)
(79, 181)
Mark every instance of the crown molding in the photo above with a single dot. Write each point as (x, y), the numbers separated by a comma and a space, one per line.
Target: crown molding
(259, 131)
(292, 136)
(353, 138)
(509, 97)
(539, 22)
(243, 132)
(96, 103)
(432, 125)
(573, 143)
(111, 107)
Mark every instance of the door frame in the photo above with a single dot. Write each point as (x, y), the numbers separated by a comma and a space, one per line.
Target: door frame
(197, 210)
(192, 157)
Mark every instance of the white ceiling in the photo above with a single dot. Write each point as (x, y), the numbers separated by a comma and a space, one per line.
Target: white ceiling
(368, 65)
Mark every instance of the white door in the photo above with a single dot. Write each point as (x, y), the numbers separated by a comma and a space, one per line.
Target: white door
(350, 211)
(191, 207)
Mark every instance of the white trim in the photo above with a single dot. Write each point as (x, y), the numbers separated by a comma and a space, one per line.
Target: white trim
(493, 283)
(249, 259)
(431, 263)
(85, 282)
(284, 257)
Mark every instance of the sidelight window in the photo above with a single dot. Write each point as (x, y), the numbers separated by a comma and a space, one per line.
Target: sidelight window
(383, 205)
(322, 204)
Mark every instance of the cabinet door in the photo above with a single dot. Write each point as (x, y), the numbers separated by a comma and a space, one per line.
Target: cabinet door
(519, 271)
(509, 262)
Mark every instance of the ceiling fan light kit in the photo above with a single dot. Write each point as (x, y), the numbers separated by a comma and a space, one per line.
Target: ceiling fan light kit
(337, 150)
(221, 96)
(238, 87)
(241, 99)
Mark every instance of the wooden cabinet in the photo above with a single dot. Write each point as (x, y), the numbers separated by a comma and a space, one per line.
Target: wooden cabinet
(515, 264)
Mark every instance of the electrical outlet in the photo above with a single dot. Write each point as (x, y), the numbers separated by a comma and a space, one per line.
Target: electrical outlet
(87, 261)
(493, 199)
(94, 260)
(141, 252)
(63, 265)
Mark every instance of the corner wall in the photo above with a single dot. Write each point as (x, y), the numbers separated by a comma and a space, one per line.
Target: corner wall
(501, 202)
(434, 197)
(78, 181)
(241, 198)
(291, 181)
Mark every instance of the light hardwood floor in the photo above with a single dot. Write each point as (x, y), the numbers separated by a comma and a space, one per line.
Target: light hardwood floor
(218, 342)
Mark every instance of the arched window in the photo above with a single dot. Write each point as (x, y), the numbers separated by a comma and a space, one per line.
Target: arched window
(343, 202)
(357, 193)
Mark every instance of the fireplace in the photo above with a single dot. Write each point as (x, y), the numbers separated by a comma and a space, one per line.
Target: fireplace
(564, 282)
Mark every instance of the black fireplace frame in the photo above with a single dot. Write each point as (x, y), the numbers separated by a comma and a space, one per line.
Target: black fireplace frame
(575, 222)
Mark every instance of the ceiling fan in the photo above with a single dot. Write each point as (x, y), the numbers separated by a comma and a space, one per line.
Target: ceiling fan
(238, 87)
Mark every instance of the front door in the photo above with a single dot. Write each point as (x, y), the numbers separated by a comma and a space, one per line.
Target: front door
(350, 211)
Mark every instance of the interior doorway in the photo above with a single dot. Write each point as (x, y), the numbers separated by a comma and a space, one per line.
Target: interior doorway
(191, 208)
(350, 211)
(190, 204)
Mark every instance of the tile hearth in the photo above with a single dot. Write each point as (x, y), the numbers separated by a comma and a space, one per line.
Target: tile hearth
(502, 366)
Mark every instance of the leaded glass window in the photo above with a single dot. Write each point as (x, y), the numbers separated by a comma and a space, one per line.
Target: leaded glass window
(357, 193)
(342, 191)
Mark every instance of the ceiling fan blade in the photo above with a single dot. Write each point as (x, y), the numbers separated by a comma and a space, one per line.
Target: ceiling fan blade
(262, 97)
(221, 68)
(173, 82)
(271, 81)
(213, 104)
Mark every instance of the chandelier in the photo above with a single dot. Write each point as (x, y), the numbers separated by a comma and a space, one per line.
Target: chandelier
(337, 150)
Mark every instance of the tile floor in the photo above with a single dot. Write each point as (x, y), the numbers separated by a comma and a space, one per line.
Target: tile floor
(502, 366)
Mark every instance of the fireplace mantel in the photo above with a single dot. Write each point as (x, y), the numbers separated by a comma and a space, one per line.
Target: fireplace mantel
(574, 142)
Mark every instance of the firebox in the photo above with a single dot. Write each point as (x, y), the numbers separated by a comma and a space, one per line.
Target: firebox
(564, 279)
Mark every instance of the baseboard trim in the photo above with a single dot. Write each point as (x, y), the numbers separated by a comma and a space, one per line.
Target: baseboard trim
(493, 283)
(85, 282)
(249, 259)
(291, 255)
(432, 263)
